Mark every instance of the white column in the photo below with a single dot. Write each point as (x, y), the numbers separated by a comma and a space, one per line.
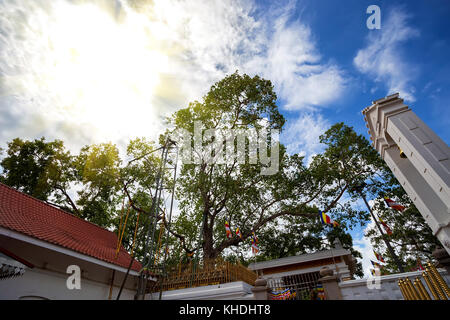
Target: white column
(425, 173)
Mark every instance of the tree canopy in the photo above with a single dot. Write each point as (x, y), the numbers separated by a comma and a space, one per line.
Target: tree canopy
(101, 186)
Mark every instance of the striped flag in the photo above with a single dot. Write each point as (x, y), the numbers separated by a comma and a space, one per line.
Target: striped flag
(281, 295)
(386, 227)
(255, 238)
(376, 264)
(325, 219)
(255, 248)
(379, 257)
(419, 265)
(238, 232)
(320, 292)
(394, 205)
(228, 230)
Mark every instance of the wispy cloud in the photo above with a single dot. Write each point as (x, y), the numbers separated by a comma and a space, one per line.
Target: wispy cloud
(364, 246)
(383, 57)
(90, 71)
(291, 59)
(302, 134)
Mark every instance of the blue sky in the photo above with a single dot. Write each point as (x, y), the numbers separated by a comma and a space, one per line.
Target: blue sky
(82, 70)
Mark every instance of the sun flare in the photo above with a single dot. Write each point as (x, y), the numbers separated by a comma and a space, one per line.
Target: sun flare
(88, 66)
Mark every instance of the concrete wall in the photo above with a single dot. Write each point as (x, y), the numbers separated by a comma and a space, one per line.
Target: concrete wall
(48, 278)
(237, 290)
(38, 283)
(388, 288)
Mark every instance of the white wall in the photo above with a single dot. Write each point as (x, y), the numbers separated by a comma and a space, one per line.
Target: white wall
(52, 285)
(237, 290)
(388, 289)
(48, 277)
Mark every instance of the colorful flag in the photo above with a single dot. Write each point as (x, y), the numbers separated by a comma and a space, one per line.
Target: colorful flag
(320, 292)
(238, 232)
(394, 205)
(227, 228)
(281, 295)
(379, 257)
(255, 238)
(376, 264)
(419, 265)
(386, 227)
(325, 219)
(372, 271)
(255, 248)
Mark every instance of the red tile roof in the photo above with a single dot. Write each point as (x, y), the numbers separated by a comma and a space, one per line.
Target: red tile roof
(32, 217)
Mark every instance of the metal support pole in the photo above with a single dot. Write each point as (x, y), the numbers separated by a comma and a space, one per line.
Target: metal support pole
(153, 218)
(386, 241)
(169, 222)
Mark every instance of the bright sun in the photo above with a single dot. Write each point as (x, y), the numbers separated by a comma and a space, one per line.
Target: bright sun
(94, 69)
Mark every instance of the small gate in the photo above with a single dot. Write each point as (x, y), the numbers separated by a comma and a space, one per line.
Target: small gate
(304, 286)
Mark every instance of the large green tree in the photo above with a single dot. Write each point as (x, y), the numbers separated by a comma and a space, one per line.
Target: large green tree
(281, 207)
(212, 193)
(41, 169)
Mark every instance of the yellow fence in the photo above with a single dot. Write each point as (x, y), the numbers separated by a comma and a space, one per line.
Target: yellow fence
(205, 273)
(433, 281)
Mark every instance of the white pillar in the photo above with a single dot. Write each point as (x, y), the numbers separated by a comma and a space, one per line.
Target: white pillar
(425, 173)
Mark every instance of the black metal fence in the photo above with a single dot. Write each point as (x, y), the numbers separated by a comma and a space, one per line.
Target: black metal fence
(295, 287)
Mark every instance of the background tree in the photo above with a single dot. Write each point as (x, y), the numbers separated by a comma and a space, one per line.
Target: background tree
(40, 169)
(94, 185)
(411, 237)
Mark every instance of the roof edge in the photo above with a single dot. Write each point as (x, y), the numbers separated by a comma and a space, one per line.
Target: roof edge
(51, 246)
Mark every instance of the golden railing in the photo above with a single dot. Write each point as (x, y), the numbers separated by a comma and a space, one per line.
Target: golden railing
(417, 291)
(207, 272)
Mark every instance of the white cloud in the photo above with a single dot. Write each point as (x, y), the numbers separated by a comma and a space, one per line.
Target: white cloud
(96, 71)
(302, 135)
(383, 58)
(364, 246)
(291, 60)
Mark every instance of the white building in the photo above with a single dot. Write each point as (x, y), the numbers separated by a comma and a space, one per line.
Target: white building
(39, 244)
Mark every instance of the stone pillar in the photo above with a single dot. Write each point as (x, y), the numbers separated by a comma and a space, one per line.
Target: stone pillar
(330, 284)
(424, 169)
(260, 290)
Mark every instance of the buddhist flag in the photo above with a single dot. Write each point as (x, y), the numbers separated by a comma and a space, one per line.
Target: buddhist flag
(394, 205)
(238, 232)
(325, 219)
(379, 257)
(320, 292)
(419, 265)
(228, 230)
(386, 227)
(255, 238)
(255, 248)
(376, 264)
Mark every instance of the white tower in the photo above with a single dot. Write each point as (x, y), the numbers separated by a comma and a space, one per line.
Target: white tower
(424, 169)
